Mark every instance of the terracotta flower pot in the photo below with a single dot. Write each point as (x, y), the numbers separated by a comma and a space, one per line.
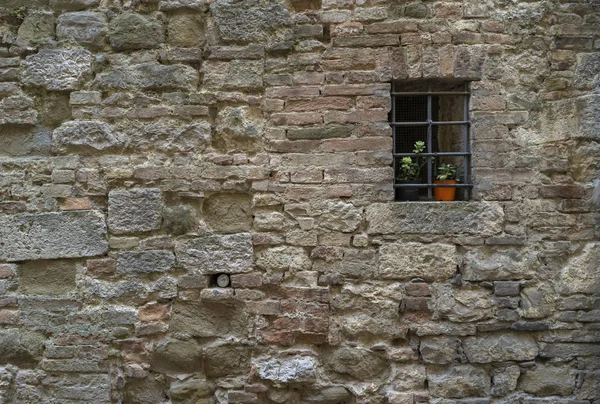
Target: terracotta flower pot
(444, 194)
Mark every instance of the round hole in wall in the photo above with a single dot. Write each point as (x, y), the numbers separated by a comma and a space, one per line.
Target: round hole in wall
(223, 280)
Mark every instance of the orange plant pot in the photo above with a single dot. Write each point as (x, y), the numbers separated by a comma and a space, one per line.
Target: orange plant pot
(444, 194)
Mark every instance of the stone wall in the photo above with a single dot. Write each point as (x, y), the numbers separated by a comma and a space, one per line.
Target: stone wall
(147, 146)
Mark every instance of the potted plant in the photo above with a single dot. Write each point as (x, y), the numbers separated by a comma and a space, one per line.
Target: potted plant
(409, 172)
(445, 174)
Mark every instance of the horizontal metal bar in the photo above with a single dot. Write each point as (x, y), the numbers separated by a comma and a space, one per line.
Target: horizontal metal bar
(431, 93)
(432, 185)
(432, 154)
(432, 123)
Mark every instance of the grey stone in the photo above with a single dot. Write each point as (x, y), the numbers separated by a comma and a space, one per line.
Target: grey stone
(190, 391)
(250, 20)
(58, 69)
(208, 319)
(144, 261)
(186, 30)
(432, 262)
(238, 128)
(459, 381)
(228, 213)
(548, 381)
(354, 263)
(171, 5)
(149, 390)
(37, 29)
(86, 137)
(494, 264)
(135, 210)
(337, 215)
(235, 75)
(180, 219)
(439, 350)
(359, 363)
(320, 133)
(568, 350)
(175, 356)
(167, 135)
(461, 304)
(52, 235)
(505, 380)
(590, 388)
(535, 302)
(20, 347)
(213, 253)
(327, 395)
(132, 31)
(52, 277)
(298, 369)
(18, 110)
(587, 71)
(227, 360)
(500, 347)
(73, 5)
(282, 259)
(581, 274)
(481, 218)
(149, 76)
(469, 61)
(86, 28)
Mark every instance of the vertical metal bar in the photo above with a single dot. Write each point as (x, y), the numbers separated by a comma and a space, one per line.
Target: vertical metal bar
(466, 143)
(394, 159)
(429, 146)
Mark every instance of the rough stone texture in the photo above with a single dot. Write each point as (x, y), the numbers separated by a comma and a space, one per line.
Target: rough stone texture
(134, 211)
(52, 235)
(251, 138)
(432, 262)
(483, 219)
(216, 253)
(500, 348)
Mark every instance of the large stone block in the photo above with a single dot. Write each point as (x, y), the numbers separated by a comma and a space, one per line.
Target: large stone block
(229, 213)
(135, 210)
(480, 218)
(337, 215)
(458, 381)
(149, 76)
(432, 262)
(86, 28)
(358, 363)
(581, 273)
(250, 20)
(548, 381)
(144, 261)
(214, 253)
(21, 348)
(186, 30)
(52, 235)
(282, 259)
(176, 356)
(132, 31)
(504, 264)
(439, 350)
(168, 135)
(85, 137)
(37, 29)
(354, 263)
(204, 319)
(500, 347)
(297, 369)
(47, 277)
(190, 391)
(227, 360)
(58, 69)
(73, 5)
(461, 304)
(233, 75)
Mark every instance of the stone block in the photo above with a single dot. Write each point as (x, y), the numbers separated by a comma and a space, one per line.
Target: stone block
(337, 215)
(227, 360)
(581, 274)
(502, 264)
(358, 363)
(327, 395)
(37, 29)
(58, 69)
(505, 380)
(251, 20)
(228, 213)
(461, 304)
(86, 28)
(20, 347)
(468, 62)
(354, 263)
(132, 31)
(190, 391)
(439, 350)
(47, 277)
(73, 5)
(208, 319)
(481, 218)
(295, 369)
(432, 262)
(134, 211)
(177, 356)
(129, 262)
(234, 75)
(282, 259)
(459, 381)
(86, 137)
(548, 381)
(149, 76)
(214, 253)
(500, 347)
(52, 235)
(186, 30)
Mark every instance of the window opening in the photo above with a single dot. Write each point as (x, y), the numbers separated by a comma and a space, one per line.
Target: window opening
(436, 113)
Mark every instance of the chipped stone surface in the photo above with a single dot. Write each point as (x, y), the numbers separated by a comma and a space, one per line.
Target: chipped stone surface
(289, 370)
(214, 253)
(432, 262)
(133, 211)
(500, 348)
(86, 137)
(58, 69)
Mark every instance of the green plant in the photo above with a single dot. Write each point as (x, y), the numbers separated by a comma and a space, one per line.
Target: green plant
(446, 171)
(409, 169)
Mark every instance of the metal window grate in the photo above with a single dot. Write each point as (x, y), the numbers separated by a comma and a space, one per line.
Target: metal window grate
(436, 113)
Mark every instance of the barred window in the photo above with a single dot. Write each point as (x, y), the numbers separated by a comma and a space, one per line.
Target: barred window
(431, 129)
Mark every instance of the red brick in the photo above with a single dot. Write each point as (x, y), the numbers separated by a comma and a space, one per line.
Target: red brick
(367, 41)
(358, 116)
(415, 304)
(277, 337)
(286, 323)
(319, 104)
(292, 92)
(316, 325)
(353, 145)
(310, 294)
(298, 118)
(312, 339)
(101, 266)
(396, 27)
(356, 89)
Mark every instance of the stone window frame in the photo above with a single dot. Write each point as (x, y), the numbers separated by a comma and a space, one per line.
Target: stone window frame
(429, 86)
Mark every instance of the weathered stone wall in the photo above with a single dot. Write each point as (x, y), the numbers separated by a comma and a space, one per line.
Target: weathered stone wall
(148, 145)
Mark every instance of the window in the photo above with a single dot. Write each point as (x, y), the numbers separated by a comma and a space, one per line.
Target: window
(431, 129)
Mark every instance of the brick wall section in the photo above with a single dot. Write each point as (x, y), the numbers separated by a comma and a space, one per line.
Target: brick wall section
(148, 146)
